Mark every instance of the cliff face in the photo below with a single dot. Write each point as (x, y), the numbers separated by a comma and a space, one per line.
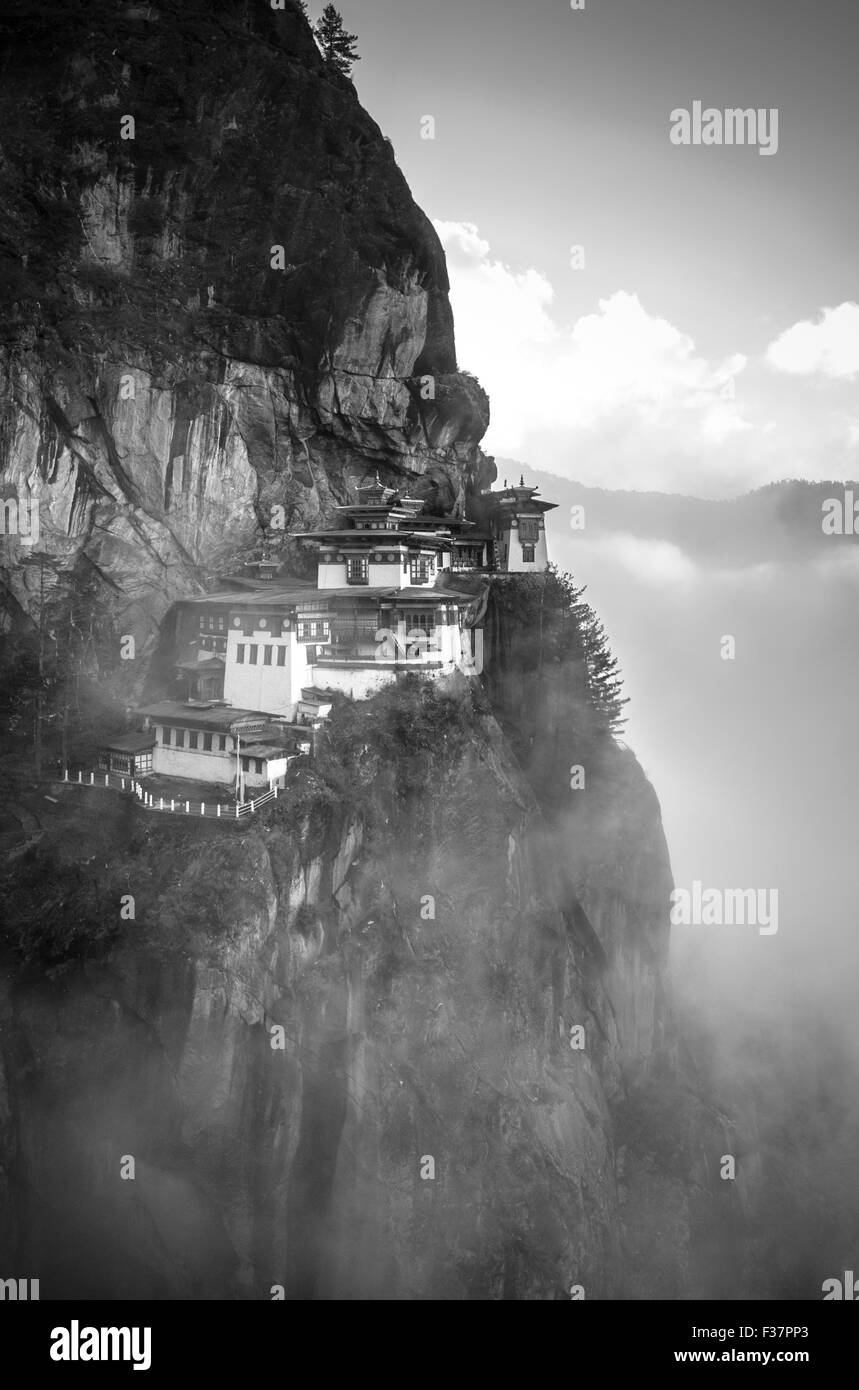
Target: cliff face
(162, 386)
(429, 1123)
(421, 953)
(407, 1034)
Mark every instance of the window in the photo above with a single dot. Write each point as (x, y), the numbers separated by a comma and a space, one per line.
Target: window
(202, 623)
(259, 764)
(357, 569)
(529, 530)
(143, 762)
(180, 738)
(222, 623)
(266, 656)
(207, 743)
(222, 743)
(281, 656)
(419, 569)
(252, 653)
(423, 620)
(528, 554)
(240, 653)
(192, 738)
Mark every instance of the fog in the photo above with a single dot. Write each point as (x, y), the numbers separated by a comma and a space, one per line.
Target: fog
(754, 762)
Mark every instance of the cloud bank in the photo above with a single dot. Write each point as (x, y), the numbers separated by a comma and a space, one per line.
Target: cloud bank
(623, 398)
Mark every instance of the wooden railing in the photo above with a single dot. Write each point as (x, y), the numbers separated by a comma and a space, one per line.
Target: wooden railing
(176, 806)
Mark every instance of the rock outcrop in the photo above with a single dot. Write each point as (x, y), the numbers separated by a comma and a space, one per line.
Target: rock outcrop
(217, 298)
(336, 1044)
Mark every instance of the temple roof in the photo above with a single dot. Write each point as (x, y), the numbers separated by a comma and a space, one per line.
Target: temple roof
(217, 717)
(298, 595)
(128, 743)
(213, 663)
(347, 535)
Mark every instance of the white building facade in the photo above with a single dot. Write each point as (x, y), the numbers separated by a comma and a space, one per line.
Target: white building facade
(258, 661)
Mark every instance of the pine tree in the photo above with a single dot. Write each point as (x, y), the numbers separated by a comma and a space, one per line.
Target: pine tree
(605, 684)
(336, 46)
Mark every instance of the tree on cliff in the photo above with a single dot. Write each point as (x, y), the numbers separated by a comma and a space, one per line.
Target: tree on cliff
(605, 683)
(336, 46)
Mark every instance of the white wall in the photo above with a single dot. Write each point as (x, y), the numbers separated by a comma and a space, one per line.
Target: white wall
(355, 682)
(272, 689)
(272, 770)
(186, 762)
(360, 682)
(515, 564)
(383, 576)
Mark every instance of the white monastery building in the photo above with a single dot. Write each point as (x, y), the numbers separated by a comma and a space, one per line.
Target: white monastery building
(258, 662)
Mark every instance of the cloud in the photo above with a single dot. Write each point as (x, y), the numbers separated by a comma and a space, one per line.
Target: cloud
(829, 347)
(651, 562)
(619, 384)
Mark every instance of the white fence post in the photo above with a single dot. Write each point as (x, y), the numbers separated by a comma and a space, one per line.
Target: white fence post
(80, 777)
(107, 779)
(92, 779)
(219, 808)
(253, 808)
(202, 808)
(123, 784)
(172, 803)
(237, 810)
(65, 774)
(187, 808)
(161, 806)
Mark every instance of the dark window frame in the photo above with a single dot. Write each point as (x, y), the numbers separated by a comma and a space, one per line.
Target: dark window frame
(357, 569)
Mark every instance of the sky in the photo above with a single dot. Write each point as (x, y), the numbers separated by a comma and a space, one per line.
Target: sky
(709, 343)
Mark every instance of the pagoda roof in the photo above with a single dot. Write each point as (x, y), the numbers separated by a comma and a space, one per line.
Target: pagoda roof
(212, 663)
(300, 595)
(517, 496)
(129, 743)
(216, 717)
(371, 539)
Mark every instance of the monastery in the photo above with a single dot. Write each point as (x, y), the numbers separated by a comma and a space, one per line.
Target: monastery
(262, 663)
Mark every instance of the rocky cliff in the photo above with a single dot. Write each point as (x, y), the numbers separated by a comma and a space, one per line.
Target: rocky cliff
(407, 1034)
(218, 297)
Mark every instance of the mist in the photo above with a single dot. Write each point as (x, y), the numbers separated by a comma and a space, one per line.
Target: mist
(754, 762)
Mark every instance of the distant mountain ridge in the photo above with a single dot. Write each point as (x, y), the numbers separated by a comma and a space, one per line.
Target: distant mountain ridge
(779, 522)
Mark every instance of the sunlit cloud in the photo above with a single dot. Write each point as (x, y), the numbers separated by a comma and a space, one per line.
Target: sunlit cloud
(619, 381)
(829, 347)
